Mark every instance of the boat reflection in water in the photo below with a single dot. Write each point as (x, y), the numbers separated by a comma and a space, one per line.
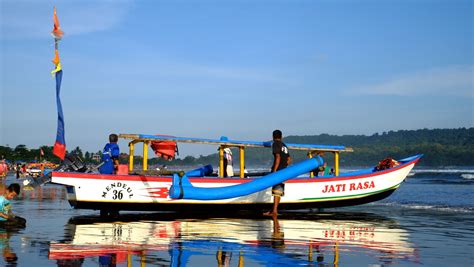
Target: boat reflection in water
(177, 240)
(6, 232)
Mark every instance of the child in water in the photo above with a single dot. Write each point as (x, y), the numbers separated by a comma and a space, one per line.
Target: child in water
(10, 193)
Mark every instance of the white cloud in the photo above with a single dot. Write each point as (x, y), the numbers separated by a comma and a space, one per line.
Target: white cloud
(33, 19)
(457, 80)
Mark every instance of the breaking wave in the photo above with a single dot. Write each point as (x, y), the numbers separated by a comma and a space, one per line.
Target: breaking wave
(428, 207)
(468, 176)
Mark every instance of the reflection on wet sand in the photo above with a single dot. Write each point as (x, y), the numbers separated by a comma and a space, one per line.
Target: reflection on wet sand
(179, 240)
(7, 230)
(9, 256)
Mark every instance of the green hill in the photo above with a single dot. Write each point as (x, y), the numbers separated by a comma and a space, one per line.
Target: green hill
(441, 147)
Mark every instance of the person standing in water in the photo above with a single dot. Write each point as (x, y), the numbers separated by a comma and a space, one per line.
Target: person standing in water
(110, 156)
(281, 160)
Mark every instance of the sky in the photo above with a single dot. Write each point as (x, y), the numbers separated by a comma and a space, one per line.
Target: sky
(234, 68)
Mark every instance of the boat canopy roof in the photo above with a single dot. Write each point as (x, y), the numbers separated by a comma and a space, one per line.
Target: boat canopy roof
(224, 141)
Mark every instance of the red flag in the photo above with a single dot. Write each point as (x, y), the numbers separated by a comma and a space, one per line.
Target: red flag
(57, 32)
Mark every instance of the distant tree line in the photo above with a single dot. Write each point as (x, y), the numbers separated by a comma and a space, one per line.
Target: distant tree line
(441, 147)
(21, 153)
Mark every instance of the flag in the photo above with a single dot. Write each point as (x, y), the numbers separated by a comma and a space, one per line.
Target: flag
(59, 148)
(56, 61)
(57, 32)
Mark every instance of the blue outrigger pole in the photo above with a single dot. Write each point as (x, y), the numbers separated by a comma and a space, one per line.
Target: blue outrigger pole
(183, 189)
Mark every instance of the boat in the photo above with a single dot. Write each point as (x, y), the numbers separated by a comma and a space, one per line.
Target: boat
(36, 169)
(203, 190)
(290, 241)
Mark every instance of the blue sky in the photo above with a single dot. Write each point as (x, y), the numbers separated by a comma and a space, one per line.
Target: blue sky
(235, 68)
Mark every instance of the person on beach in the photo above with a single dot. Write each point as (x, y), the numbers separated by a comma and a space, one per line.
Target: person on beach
(23, 170)
(10, 193)
(3, 168)
(110, 156)
(281, 160)
(322, 170)
(228, 164)
(17, 170)
(317, 171)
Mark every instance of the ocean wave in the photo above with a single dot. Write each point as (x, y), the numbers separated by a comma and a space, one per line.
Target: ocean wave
(467, 176)
(443, 171)
(440, 208)
(427, 207)
(448, 177)
(446, 180)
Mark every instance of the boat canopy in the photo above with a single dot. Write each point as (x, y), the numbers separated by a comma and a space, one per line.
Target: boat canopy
(224, 142)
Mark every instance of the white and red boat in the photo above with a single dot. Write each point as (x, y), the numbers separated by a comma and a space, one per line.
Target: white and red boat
(149, 191)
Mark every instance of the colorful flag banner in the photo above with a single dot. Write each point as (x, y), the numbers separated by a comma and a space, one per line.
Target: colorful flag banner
(59, 148)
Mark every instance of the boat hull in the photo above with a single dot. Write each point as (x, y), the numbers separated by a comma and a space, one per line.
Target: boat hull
(215, 207)
(148, 193)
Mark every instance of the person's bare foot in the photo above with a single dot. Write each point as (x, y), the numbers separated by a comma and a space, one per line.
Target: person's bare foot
(272, 214)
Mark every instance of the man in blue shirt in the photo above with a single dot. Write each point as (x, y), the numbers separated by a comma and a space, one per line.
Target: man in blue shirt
(110, 156)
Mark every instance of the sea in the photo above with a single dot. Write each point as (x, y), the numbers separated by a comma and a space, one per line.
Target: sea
(428, 221)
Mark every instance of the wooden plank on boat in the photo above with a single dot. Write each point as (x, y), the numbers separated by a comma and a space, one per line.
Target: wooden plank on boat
(233, 143)
(153, 172)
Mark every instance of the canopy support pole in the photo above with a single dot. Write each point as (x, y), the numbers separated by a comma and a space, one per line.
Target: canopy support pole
(221, 161)
(131, 146)
(242, 161)
(336, 163)
(145, 155)
(310, 156)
